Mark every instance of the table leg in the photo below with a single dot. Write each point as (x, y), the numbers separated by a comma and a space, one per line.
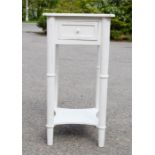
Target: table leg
(51, 79)
(57, 77)
(98, 77)
(104, 60)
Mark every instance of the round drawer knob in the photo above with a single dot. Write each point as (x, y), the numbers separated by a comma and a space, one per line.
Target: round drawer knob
(77, 30)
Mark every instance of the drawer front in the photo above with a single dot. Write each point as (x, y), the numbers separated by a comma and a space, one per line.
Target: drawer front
(78, 30)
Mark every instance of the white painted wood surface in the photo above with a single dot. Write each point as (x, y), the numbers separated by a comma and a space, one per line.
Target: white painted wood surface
(82, 29)
(78, 15)
(77, 30)
(76, 116)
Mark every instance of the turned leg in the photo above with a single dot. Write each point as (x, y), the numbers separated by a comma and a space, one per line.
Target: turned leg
(57, 77)
(98, 78)
(51, 79)
(104, 60)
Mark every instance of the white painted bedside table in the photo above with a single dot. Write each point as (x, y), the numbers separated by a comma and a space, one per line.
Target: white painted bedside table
(78, 29)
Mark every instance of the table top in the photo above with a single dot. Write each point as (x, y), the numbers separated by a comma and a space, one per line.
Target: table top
(78, 15)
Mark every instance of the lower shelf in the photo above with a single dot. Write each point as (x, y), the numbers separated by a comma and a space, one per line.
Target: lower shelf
(76, 116)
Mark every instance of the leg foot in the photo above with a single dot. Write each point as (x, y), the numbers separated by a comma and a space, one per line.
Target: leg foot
(101, 137)
(49, 136)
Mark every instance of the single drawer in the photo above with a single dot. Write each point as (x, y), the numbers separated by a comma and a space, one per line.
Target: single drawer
(78, 30)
